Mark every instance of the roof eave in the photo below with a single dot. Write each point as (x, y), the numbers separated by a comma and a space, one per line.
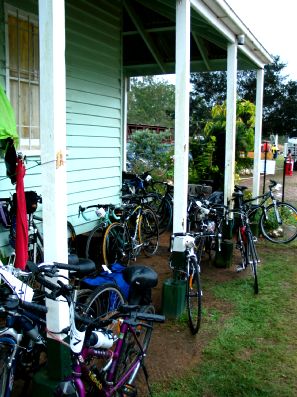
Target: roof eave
(224, 19)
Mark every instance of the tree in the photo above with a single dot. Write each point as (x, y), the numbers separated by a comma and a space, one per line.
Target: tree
(279, 101)
(276, 97)
(208, 89)
(151, 102)
(245, 123)
(149, 152)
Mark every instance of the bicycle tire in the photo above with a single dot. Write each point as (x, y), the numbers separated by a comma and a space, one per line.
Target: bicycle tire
(101, 302)
(242, 246)
(163, 210)
(148, 231)
(252, 260)
(274, 231)
(7, 371)
(193, 295)
(116, 246)
(130, 351)
(94, 245)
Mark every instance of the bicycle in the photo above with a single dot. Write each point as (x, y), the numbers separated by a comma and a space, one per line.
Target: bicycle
(138, 231)
(183, 261)
(106, 214)
(22, 331)
(22, 322)
(91, 339)
(245, 239)
(155, 194)
(278, 219)
(162, 203)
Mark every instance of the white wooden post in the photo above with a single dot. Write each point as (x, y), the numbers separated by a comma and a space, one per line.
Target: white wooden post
(126, 86)
(258, 132)
(230, 121)
(182, 90)
(53, 145)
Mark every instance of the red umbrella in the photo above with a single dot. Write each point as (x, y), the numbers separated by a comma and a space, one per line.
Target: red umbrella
(21, 244)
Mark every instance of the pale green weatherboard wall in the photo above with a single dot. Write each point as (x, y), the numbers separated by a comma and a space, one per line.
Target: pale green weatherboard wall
(94, 107)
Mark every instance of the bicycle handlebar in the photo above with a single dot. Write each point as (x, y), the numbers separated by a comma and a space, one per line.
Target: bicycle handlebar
(110, 208)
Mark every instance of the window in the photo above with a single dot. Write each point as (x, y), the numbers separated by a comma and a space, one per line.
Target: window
(23, 75)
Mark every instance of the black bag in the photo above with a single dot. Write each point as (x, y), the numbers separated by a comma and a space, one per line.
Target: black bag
(32, 199)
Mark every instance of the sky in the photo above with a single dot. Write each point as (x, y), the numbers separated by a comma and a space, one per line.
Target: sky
(274, 24)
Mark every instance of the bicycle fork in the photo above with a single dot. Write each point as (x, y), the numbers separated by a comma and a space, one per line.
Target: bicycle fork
(276, 211)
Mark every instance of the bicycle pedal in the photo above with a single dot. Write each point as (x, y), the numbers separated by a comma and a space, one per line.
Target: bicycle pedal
(255, 239)
(129, 390)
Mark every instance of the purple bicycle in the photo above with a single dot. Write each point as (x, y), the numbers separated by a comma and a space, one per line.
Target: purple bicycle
(120, 357)
(106, 351)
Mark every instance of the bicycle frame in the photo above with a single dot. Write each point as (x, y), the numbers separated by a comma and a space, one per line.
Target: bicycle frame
(81, 354)
(264, 197)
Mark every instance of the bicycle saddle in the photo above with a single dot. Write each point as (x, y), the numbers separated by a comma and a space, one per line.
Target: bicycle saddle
(142, 276)
(239, 188)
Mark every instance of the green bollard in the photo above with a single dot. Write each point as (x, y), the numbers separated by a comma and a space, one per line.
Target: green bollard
(173, 298)
(224, 257)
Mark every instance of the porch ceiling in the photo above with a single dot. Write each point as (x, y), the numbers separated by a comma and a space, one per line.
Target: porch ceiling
(149, 38)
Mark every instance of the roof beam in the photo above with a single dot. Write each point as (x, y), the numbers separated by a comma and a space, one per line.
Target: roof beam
(200, 7)
(202, 50)
(151, 30)
(145, 36)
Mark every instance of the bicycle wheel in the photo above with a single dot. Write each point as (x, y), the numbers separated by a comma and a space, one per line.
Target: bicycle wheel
(116, 246)
(279, 224)
(193, 295)
(241, 244)
(163, 210)
(130, 351)
(148, 232)
(94, 245)
(7, 365)
(252, 260)
(102, 302)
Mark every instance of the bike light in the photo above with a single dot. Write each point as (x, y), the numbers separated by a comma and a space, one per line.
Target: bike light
(181, 243)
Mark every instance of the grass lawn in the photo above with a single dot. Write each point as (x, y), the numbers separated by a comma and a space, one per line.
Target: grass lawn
(254, 352)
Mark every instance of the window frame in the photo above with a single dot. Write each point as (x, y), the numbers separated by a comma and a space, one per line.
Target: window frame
(23, 15)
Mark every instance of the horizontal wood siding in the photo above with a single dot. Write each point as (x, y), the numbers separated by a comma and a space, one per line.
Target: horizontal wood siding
(2, 45)
(94, 107)
(94, 100)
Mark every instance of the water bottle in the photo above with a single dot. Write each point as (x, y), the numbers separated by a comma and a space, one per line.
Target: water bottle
(101, 338)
